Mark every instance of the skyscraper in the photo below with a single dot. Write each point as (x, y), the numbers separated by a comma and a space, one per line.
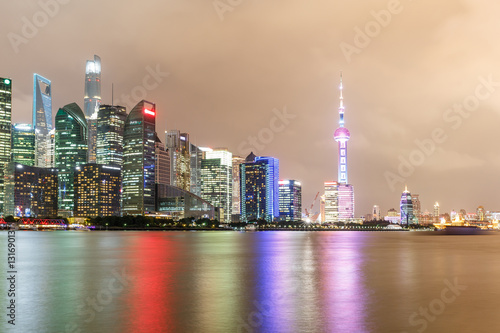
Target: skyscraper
(331, 198)
(162, 163)
(92, 103)
(70, 152)
(197, 155)
(42, 119)
(416, 207)
(5, 130)
(345, 190)
(217, 180)
(376, 212)
(290, 198)
(110, 125)
(23, 144)
(97, 190)
(406, 208)
(237, 160)
(178, 146)
(139, 160)
(259, 189)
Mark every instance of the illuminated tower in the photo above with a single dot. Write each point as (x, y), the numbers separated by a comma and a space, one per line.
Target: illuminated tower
(92, 103)
(42, 119)
(5, 129)
(406, 207)
(345, 190)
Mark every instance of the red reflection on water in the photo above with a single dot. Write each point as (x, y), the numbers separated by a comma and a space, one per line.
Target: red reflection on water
(150, 301)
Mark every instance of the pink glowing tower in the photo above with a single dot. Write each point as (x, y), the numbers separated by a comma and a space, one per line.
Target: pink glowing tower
(345, 190)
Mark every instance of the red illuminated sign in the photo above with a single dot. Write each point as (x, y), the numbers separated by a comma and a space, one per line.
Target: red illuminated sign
(150, 112)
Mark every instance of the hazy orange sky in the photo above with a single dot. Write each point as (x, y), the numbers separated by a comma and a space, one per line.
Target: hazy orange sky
(425, 70)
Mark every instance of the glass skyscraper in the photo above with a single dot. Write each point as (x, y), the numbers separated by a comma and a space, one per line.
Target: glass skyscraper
(110, 126)
(259, 189)
(92, 103)
(237, 160)
(70, 152)
(178, 147)
(42, 119)
(23, 144)
(331, 205)
(139, 160)
(290, 193)
(406, 207)
(217, 180)
(5, 130)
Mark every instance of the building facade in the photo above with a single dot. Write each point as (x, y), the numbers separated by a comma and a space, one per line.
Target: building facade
(23, 144)
(237, 160)
(162, 162)
(97, 190)
(42, 119)
(5, 130)
(217, 181)
(290, 200)
(406, 208)
(376, 212)
(110, 127)
(70, 151)
(331, 202)
(30, 191)
(259, 189)
(139, 160)
(92, 103)
(178, 147)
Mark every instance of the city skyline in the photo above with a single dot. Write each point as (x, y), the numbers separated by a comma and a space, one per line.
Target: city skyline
(396, 95)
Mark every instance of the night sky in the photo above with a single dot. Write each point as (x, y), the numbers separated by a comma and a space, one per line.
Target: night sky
(427, 70)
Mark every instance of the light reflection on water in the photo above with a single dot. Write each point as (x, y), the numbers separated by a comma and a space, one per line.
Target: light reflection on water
(252, 282)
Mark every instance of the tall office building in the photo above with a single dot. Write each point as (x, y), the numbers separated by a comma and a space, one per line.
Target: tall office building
(415, 200)
(376, 212)
(331, 205)
(70, 151)
(97, 190)
(217, 180)
(23, 144)
(42, 119)
(436, 210)
(5, 130)
(406, 208)
(110, 126)
(162, 163)
(290, 199)
(197, 154)
(259, 189)
(345, 190)
(237, 160)
(139, 160)
(92, 103)
(178, 146)
(30, 191)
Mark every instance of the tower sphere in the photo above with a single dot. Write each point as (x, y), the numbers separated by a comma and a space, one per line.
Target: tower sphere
(342, 134)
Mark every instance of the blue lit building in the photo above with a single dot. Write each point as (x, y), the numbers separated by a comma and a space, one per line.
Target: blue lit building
(42, 119)
(290, 199)
(406, 207)
(259, 191)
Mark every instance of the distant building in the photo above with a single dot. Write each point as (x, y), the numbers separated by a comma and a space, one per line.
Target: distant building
(109, 130)
(92, 103)
(5, 129)
(70, 152)
(481, 213)
(42, 120)
(23, 144)
(97, 190)
(376, 212)
(259, 178)
(331, 205)
(176, 203)
(415, 200)
(30, 191)
(217, 180)
(406, 208)
(345, 202)
(290, 197)
(197, 154)
(162, 163)
(139, 160)
(392, 216)
(436, 212)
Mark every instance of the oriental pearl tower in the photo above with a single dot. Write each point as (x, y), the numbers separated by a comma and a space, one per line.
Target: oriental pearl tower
(345, 190)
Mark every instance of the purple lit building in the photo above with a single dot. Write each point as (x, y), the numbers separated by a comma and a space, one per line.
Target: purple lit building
(345, 190)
